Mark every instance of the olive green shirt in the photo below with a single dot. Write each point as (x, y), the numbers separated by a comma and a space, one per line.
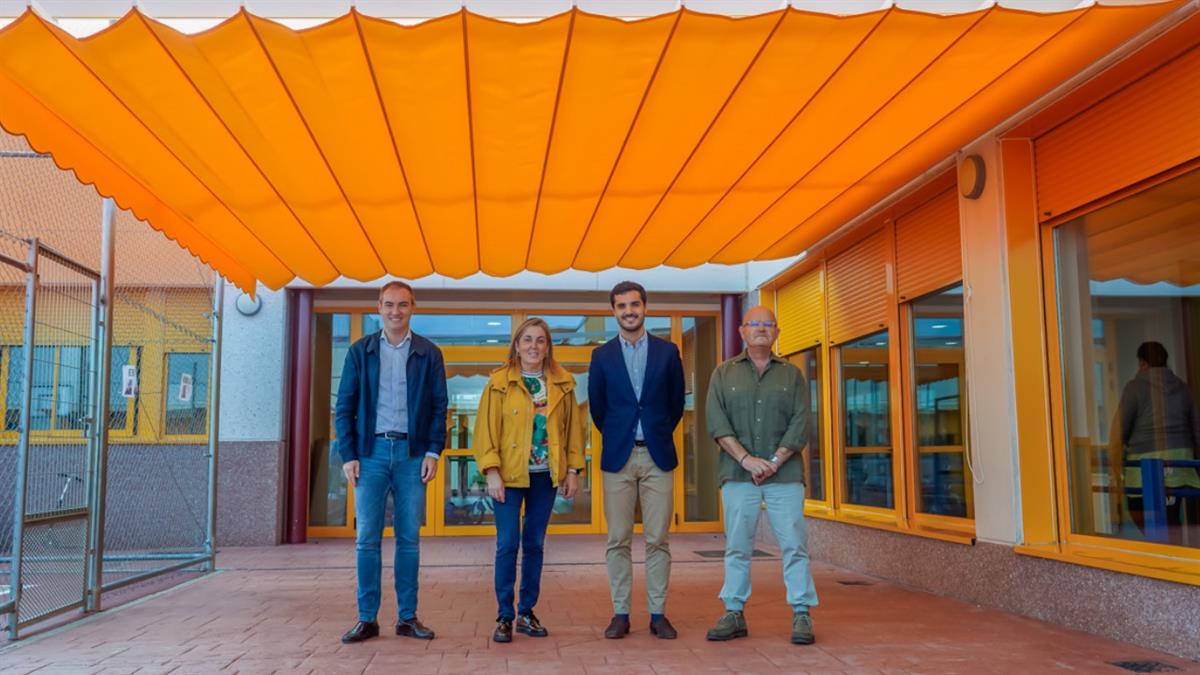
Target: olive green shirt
(764, 412)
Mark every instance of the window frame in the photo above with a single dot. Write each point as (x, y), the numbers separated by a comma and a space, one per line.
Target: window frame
(164, 435)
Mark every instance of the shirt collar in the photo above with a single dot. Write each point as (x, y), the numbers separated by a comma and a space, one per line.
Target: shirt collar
(384, 341)
(636, 343)
(745, 356)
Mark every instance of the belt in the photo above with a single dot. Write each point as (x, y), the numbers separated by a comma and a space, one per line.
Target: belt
(639, 444)
(393, 436)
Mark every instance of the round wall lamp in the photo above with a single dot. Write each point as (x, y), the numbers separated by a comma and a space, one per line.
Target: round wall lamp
(972, 176)
(246, 305)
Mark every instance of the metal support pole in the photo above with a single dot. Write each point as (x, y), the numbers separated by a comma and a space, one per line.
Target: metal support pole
(297, 526)
(99, 472)
(31, 283)
(731, 319)
(214, 418)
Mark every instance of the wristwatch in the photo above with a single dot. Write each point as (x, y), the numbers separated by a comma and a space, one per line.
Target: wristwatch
(776, 461)
(573, 471)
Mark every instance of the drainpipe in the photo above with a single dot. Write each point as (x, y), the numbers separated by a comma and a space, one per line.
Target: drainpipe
(297, 527)
(731, 320)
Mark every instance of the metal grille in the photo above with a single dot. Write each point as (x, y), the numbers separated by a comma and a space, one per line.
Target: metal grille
(52, 567)
(12, 332)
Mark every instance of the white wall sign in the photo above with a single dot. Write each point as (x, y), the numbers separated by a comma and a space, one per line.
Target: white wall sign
(129, 381)
(185, 387)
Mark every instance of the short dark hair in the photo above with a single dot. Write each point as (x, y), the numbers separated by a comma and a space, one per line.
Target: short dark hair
(1153, 353)
(623, 288)
(397, 284)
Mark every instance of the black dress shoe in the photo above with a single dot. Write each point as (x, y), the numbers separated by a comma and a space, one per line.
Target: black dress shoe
(503, 632)
(617, 628)
(414, 628)
(363, 630)
(663, 629)
(529, 625)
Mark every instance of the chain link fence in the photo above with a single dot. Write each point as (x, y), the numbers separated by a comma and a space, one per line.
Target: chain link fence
(139, 472)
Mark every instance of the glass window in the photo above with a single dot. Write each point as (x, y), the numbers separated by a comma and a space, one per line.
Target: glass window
(867, 429)
(1128, 289)
(186, 395)
(121, 408)
(596, 329)
(71, 403)
(327, 499)
(60, 397)
(454, 329)
(809, 363)
(700, 451)
(943, 477)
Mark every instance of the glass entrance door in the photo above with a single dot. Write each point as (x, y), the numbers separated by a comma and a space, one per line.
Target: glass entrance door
(473, 345)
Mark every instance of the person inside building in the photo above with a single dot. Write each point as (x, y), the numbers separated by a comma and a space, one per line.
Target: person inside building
(1157, 419)
(636, 393)
(391, 428)
(529, 444)
(758, 412)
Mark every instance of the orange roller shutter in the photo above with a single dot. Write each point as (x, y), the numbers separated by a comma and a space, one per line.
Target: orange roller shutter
(1147, 128)
(856, 284)
(928, 253)
(801, 312)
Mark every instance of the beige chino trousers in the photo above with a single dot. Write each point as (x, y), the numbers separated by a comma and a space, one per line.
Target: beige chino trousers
(640, 479)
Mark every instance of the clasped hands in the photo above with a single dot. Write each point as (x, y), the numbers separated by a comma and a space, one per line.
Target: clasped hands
(760, 469)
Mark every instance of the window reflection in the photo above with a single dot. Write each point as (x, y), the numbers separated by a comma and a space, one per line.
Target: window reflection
(580, 330)
(809, 363)
(938, 365)
(700, 451)
(454, 329)
(1129, 315)
(866, 421)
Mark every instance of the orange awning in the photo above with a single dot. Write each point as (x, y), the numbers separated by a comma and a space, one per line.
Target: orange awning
(361, 147)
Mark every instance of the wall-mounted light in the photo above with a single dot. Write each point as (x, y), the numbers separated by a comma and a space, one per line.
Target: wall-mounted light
(972, 176)
(248, 306)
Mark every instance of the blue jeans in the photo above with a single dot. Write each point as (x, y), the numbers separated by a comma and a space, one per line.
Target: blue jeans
(389, 469)
(510, 534)
(785, 510)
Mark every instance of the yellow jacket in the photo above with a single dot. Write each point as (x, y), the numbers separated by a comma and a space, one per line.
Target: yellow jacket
(504, 425)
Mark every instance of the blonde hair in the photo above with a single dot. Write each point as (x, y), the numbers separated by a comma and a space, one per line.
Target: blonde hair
(514, 359)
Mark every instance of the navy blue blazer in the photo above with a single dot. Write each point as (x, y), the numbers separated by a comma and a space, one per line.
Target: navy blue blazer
(358, 393)
(616, 409)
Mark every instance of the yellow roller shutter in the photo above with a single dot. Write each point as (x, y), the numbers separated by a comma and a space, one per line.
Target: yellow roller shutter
(928, 255)
(856, 286)
(801, 313)
(1148, 127)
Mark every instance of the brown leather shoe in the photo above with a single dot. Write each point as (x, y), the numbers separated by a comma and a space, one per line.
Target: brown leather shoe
(663, 629)
(503, 632)
(528, 624)
(414, 628)
(363, 630)
(617, 628)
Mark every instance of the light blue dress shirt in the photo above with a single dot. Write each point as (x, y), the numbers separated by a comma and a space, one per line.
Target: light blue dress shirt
(634, 354)
(391, 412)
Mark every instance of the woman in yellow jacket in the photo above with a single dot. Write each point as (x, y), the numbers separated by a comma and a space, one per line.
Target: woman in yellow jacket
(529, 444)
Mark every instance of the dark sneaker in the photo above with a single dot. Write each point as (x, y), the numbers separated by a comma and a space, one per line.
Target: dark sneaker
(363, 630)
(528, 624)
(802, 630)
(503, 632)
(731, 625)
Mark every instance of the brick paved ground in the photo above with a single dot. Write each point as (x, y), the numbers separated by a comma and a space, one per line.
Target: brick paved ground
(282, 609)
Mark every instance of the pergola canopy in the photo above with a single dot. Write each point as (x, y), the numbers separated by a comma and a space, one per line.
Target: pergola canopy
(361, 147)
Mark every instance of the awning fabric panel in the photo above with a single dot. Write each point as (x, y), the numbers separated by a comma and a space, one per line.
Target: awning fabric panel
(360, 147)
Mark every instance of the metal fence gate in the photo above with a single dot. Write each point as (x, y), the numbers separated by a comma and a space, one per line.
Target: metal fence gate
(55, 414)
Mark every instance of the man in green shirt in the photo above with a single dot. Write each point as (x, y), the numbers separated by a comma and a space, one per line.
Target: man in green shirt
(758, 412)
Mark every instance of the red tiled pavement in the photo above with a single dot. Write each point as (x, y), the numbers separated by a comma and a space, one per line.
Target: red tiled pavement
(282, 610)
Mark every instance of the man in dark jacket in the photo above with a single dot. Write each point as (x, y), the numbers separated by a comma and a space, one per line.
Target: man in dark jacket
(635, 392)
(391, 428)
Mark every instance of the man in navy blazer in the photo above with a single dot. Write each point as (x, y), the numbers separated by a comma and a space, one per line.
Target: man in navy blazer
(635, 392)
(391, 427)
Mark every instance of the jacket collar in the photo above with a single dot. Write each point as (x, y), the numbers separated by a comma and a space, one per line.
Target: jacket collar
(555, 374)
(418, 344)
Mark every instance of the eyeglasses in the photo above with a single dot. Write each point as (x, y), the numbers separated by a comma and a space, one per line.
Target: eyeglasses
(760, 324)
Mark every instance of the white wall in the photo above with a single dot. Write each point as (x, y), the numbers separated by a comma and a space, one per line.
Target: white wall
(990, 381)
(253, 368)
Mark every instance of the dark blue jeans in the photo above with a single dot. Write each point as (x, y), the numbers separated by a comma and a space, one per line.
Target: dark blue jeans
(511, 534)
(389, 469)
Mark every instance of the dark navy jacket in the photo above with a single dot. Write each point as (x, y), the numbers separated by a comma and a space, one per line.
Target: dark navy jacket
(354, 415)
(616, 409)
